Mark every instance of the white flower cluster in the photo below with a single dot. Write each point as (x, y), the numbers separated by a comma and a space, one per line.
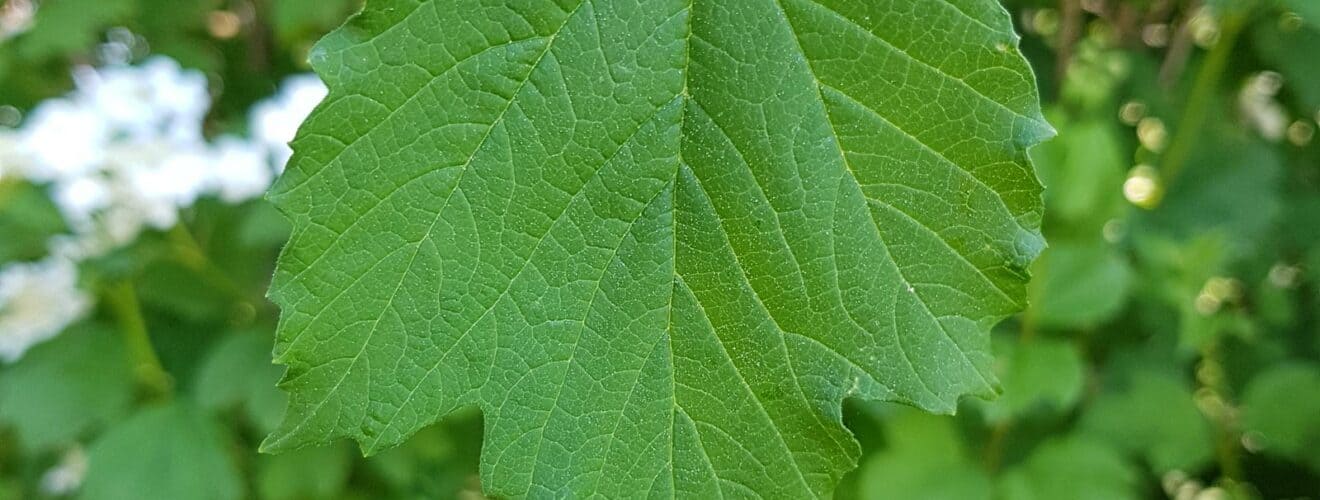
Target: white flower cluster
(124, 152)
(37, 301)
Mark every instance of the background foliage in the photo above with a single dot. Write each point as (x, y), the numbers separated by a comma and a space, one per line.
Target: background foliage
(1171, 348)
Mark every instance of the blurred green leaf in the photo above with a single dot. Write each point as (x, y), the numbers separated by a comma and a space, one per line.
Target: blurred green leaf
(1073, 468)
(439, 461)
(238, 373)
(1171, 276)
(296, 20)
(1083, 171)
(924, 458)
(172, 286)
(1044, 373)
(264, 227)
(1078, 285)
(1281, 409)
(173, 451)
(1280, 46)
(1152, 416)
(304, 474)
(1231, 186)
(178, 29)
(65, 27)
(60, 390)
(1309, 10)
(27, 220)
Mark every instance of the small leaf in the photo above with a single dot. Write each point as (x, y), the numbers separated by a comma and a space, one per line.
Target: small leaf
(655, 242)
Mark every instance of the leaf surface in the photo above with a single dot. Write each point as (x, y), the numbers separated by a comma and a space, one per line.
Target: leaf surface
(656, 242)
(173, 451)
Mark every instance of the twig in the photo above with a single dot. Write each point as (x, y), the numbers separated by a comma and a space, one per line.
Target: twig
(1069, 32)
(1175, 59)
(123, 301)
(1202, 96)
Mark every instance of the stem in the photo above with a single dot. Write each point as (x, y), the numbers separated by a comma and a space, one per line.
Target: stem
(191, 254)
(999, 433)
(1203, 90)
(1069, 32)
(146, 364)
(1175, 59)
(994, 448)
(1222, 413)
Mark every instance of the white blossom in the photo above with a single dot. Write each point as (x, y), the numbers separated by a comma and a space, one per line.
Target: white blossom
(66, 476)
(16, 16)
(156, 99)
(62, 139)
(275, 121)
(37, 301)
(175, 180)
(80, 198)
(123, 153)
(241, 170)
(1260, 109)
(12, 163)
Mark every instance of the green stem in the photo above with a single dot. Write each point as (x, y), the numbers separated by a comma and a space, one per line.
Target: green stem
(994, 448)
(1200, 99)
(1001, 430)
(123, 301)
(191, 254)
(1227, 448)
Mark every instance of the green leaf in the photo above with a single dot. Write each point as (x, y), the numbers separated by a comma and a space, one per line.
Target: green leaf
(293, 20)
(654, 242)
(173, 451)
(237, 372)
(1083, 171)
(1079, 285)
(1070, 467)
(306, 473)
(68, 386)
(925, 458)
(1281, 411)
(1308, 10)
(1177, 436)
(65, 27)
(27, 220)
(1231, 187)
(1041, 374)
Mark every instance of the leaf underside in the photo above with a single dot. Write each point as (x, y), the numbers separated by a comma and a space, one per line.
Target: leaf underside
(656, 242)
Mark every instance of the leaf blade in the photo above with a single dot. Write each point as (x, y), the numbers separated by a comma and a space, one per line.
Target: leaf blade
(580, 219)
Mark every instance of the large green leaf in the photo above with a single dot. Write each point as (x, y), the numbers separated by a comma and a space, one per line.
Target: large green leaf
(656, 242)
